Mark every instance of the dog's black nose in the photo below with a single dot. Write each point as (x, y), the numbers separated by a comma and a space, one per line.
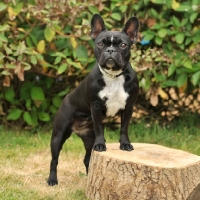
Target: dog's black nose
(110, 50)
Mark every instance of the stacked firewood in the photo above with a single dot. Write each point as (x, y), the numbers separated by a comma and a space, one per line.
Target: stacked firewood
(169, 104)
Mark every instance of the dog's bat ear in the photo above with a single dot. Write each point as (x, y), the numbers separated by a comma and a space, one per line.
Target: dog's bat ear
(131, 29)
(97, 25)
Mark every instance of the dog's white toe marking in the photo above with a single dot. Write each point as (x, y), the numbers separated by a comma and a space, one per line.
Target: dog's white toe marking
(115, 94)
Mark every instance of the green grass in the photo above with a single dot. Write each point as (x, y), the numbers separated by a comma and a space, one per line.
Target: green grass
(25, 158)
(183, 133)
(24, 168)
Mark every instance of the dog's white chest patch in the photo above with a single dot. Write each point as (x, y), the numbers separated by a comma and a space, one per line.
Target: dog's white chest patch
(115, 95)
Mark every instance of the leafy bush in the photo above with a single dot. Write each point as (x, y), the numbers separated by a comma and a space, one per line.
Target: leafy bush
(46, 50)
(169, 69)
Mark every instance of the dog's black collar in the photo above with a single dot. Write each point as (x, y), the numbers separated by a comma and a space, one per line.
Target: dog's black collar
(110, 75)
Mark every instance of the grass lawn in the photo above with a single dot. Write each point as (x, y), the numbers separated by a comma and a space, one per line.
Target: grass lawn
(25, 158)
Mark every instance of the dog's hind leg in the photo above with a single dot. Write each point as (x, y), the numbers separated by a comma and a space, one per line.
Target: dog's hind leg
(61, 132)
(56, 146)
(88, 140)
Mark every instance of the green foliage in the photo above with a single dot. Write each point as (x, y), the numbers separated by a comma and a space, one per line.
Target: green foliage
(45, 50)
(175, 31)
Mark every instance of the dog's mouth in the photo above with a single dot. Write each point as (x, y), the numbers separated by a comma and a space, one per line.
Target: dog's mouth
(110, 63)
(111, 68)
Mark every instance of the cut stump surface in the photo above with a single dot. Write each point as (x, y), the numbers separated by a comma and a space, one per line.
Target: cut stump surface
(150, 172)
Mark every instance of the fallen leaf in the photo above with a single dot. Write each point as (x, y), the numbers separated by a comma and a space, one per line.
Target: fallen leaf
(6, 81)
(151, 22)
(53, 46)
(182, 88)
(19, 70)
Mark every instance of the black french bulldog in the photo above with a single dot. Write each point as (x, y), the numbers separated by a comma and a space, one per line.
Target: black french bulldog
(111, 88)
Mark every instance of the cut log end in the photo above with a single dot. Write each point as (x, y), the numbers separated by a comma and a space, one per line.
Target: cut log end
(149, 172)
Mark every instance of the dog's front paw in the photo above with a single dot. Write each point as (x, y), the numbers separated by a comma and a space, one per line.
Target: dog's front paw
(52, 180)
(99, 147)
(126, 147)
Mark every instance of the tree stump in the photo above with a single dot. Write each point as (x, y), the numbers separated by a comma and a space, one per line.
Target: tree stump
(150, 172)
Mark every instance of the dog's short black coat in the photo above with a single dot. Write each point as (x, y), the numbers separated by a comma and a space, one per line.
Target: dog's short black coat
(111, 88)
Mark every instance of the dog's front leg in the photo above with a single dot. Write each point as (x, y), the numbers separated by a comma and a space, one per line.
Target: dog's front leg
(99, 144)
(125, 120)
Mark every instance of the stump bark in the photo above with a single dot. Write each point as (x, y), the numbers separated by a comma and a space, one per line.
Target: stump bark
(150, 172)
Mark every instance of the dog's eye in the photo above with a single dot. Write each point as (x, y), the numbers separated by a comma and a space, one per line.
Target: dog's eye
(100, 44)
(123, 45)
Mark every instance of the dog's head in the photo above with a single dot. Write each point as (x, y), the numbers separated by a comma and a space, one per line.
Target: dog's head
(112, 48)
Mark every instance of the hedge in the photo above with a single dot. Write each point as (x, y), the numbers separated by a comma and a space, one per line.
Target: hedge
(46, 51)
